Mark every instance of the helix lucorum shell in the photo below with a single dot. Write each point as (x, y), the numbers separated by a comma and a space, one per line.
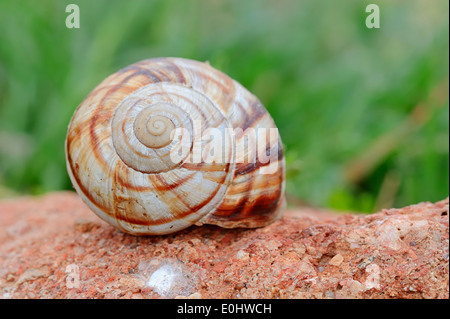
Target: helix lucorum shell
(118, 150)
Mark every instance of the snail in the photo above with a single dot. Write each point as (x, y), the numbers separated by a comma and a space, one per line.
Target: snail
(166, 143)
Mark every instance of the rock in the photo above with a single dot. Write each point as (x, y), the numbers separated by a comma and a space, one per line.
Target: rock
(54, 247)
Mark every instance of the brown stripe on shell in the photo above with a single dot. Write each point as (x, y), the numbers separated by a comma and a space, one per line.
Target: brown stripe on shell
(267, 200)
(172, 67)
(74, 167)
(257, 112)
(170, 71)
(228, 89)
(263, 206)
(250, 210)
(211, 196)
(162, 184)
(233, 211)
(123, 181)
(141, 71)
(257, 212)
(247, 168)
(206, 167)
(250, 117)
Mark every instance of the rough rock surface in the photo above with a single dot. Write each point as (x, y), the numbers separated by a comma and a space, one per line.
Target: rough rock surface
(54, 247)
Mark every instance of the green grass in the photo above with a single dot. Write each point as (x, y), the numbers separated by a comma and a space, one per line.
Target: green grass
(363, 113)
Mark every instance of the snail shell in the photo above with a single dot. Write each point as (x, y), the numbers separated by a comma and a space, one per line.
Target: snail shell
(134, 172)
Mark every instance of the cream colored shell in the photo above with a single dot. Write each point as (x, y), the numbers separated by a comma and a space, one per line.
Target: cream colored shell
(119, 143)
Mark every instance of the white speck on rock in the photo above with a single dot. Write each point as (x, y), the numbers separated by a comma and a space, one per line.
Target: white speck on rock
(162, 279)
(167, 277)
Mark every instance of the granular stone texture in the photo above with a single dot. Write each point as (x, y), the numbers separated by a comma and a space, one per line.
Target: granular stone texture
(54, 247)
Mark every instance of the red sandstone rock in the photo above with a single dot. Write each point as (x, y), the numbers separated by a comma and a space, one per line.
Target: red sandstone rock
(54, 247)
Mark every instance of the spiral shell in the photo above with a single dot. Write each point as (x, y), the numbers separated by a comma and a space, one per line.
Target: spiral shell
(136, 156)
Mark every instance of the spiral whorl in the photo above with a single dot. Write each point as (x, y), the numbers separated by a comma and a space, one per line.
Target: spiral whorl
(154, 131)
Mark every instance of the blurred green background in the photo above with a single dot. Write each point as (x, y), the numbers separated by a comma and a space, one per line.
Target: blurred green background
(363, 113)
